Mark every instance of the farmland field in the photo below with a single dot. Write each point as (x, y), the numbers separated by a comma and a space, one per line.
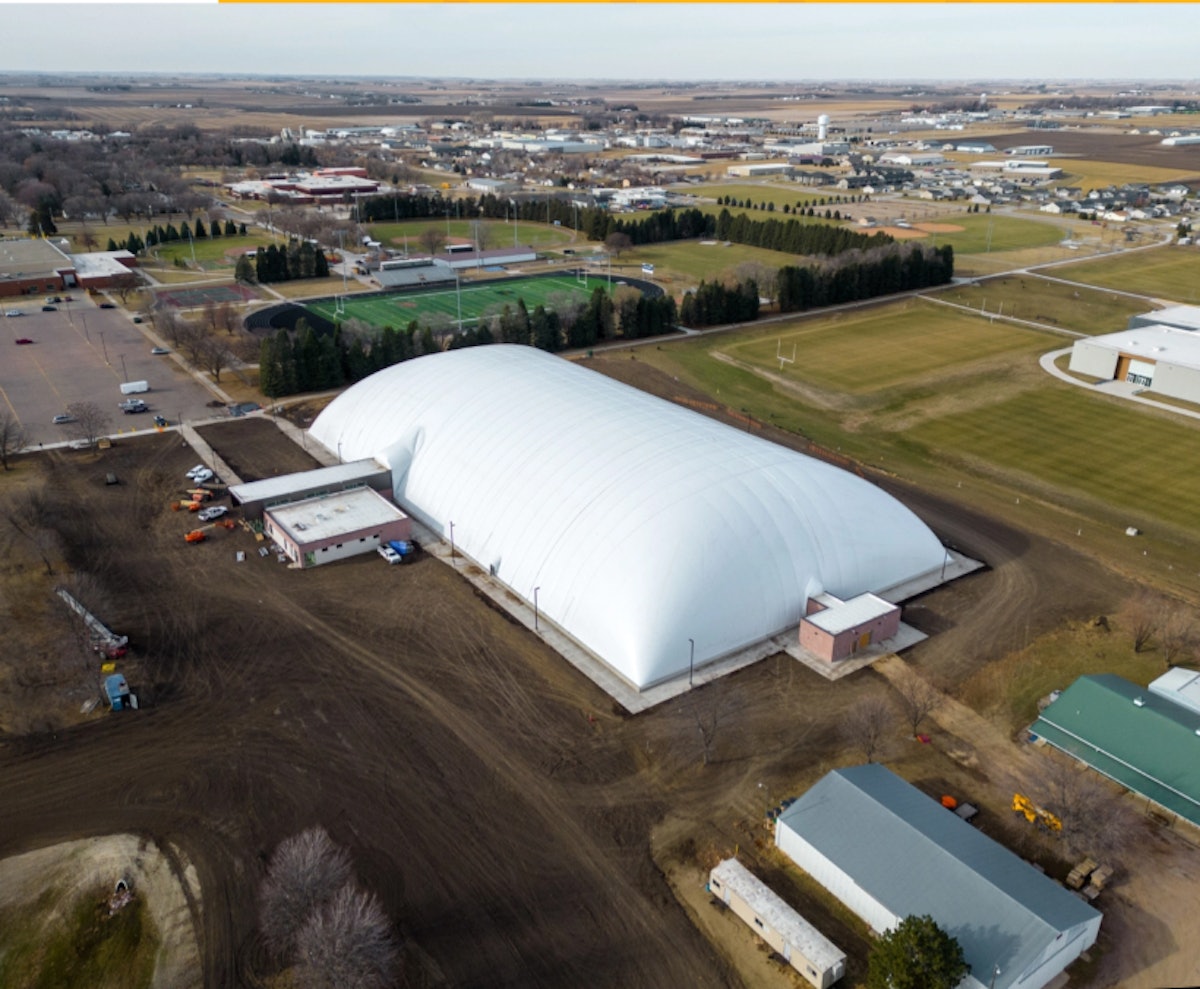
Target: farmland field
(1166, 273)
(478, 298)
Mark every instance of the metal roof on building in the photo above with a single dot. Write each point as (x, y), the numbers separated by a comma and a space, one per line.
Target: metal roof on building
(915, 857)
(765, 902)
(1179, 686)
(1167, 344)
(281, 487)
(327, 516)
(1180, 317)
(846, 615)
(28, 257)
(1143, 741)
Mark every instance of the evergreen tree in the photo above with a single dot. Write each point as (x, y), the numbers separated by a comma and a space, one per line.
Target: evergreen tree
(916, 954)
(214, 229)
(230, 228)
(201, 233)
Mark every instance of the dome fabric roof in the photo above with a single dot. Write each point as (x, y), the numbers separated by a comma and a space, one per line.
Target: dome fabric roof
(642, 524)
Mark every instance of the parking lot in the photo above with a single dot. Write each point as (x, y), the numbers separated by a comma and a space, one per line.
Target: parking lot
(82, 353)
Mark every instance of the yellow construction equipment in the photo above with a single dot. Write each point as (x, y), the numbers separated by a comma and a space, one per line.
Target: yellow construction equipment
(1035, 814)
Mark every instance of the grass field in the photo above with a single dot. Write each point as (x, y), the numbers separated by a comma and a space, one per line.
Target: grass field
(1105, 451)
(1084, 310)
(778, 194)
(1164, 273)
(951, 400)
(399, 309)
(989, 232)
(690, 261)
(869, 352)
(211, 251)
(539, 236)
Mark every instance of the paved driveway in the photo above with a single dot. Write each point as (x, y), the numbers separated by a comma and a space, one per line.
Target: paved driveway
(82, 353)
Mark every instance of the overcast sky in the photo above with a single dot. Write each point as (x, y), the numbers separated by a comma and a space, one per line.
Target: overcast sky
(800, 41)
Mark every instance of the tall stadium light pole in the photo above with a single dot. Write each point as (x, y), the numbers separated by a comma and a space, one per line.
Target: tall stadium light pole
(342, 251)
(104, 347)
(452, 556)
(458, 297)
(535, 608)
(188, 227)
(513, 202)
(340, 451)
(124, 373)
(691, 659)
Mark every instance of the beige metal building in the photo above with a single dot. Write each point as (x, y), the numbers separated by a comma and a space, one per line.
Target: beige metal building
(800, 944)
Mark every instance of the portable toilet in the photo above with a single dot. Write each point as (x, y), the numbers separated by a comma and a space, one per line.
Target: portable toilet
(117, 691)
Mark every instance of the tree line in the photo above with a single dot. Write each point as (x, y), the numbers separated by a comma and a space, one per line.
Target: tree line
(159, 234)
(299, 259)
(849, 277)
(304, 360)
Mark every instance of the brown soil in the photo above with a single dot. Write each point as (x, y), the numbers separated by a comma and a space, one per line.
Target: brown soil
(901, 233)
(516, 828)
(938, 228)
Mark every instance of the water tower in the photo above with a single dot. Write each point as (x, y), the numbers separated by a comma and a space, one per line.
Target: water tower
(822, 127)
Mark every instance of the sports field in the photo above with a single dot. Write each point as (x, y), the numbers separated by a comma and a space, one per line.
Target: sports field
(1040, 300)
(1165, 273)
(987, 232)
(868, 352)
(476, 298)
(953, 399)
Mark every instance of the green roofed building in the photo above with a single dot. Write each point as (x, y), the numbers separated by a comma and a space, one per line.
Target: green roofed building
(1143, 741)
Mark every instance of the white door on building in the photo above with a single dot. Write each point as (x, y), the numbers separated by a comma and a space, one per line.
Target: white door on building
(1140, 373)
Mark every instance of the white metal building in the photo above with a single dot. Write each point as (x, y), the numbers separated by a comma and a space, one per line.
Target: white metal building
(1165, 359)
(802, 946)
(1179, 686)
(643, 527)
(889, 852)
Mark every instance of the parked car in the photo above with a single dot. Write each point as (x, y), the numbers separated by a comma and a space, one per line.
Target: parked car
(137, 319)
(63, 419)
(390, 554)
(201, 476)
(159, 351)
(160, 420)
(108, 305)
(210, 514)
(23, 340)
(49, 308)
(131, 410)
(197, 469)
(14, 312)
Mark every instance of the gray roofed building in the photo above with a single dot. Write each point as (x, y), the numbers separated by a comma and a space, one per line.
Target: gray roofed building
(887, 851)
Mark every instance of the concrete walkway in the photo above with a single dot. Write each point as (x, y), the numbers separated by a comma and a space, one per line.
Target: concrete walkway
(209, 455)
(1116, 389)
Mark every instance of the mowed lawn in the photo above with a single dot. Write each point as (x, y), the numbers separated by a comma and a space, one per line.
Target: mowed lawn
(882, 349)
(1069, 307)
(499, 233)
(1108, 450)
(993, 232)
(1165, 273)
(692, 260)
(212, 253)
(778, 194)
(401, 308)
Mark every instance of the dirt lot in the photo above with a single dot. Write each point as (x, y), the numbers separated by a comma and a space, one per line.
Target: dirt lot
(515, 826)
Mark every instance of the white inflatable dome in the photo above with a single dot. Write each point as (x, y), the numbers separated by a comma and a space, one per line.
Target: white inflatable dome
(643, 525)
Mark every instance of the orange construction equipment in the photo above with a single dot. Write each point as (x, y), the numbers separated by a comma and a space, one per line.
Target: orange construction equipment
(201, 534)
(1035, 814)
(949, 802)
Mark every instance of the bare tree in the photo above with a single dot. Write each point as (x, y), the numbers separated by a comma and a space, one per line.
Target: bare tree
(618, 243)
(12, 437)
(347, 944)
(1176, 630)
(917, 699)
(213, 354)
(708, 710)
(27, 513)
(432, 239)
(1095, 820)
(1140, 614)
(305, 873)
(866, 724)
(91, 421)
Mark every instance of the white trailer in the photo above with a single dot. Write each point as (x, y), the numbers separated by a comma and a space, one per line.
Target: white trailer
(134, 387)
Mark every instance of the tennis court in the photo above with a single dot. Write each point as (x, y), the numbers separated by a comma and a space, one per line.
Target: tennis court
(477, 299)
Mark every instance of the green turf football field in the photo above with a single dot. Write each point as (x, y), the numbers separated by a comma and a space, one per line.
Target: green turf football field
(400, 308)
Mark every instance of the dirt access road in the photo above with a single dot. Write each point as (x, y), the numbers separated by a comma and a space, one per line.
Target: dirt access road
(490, 795)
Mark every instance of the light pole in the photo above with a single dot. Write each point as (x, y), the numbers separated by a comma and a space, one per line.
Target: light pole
(104, 347)
(535, 608)
(513, 203)
(124, 373)
(188, 227)
(691, 659)
(458, 297)
(995, 972)
(452, 557)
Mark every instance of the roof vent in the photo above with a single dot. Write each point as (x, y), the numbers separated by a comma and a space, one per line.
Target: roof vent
(1139, 702)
